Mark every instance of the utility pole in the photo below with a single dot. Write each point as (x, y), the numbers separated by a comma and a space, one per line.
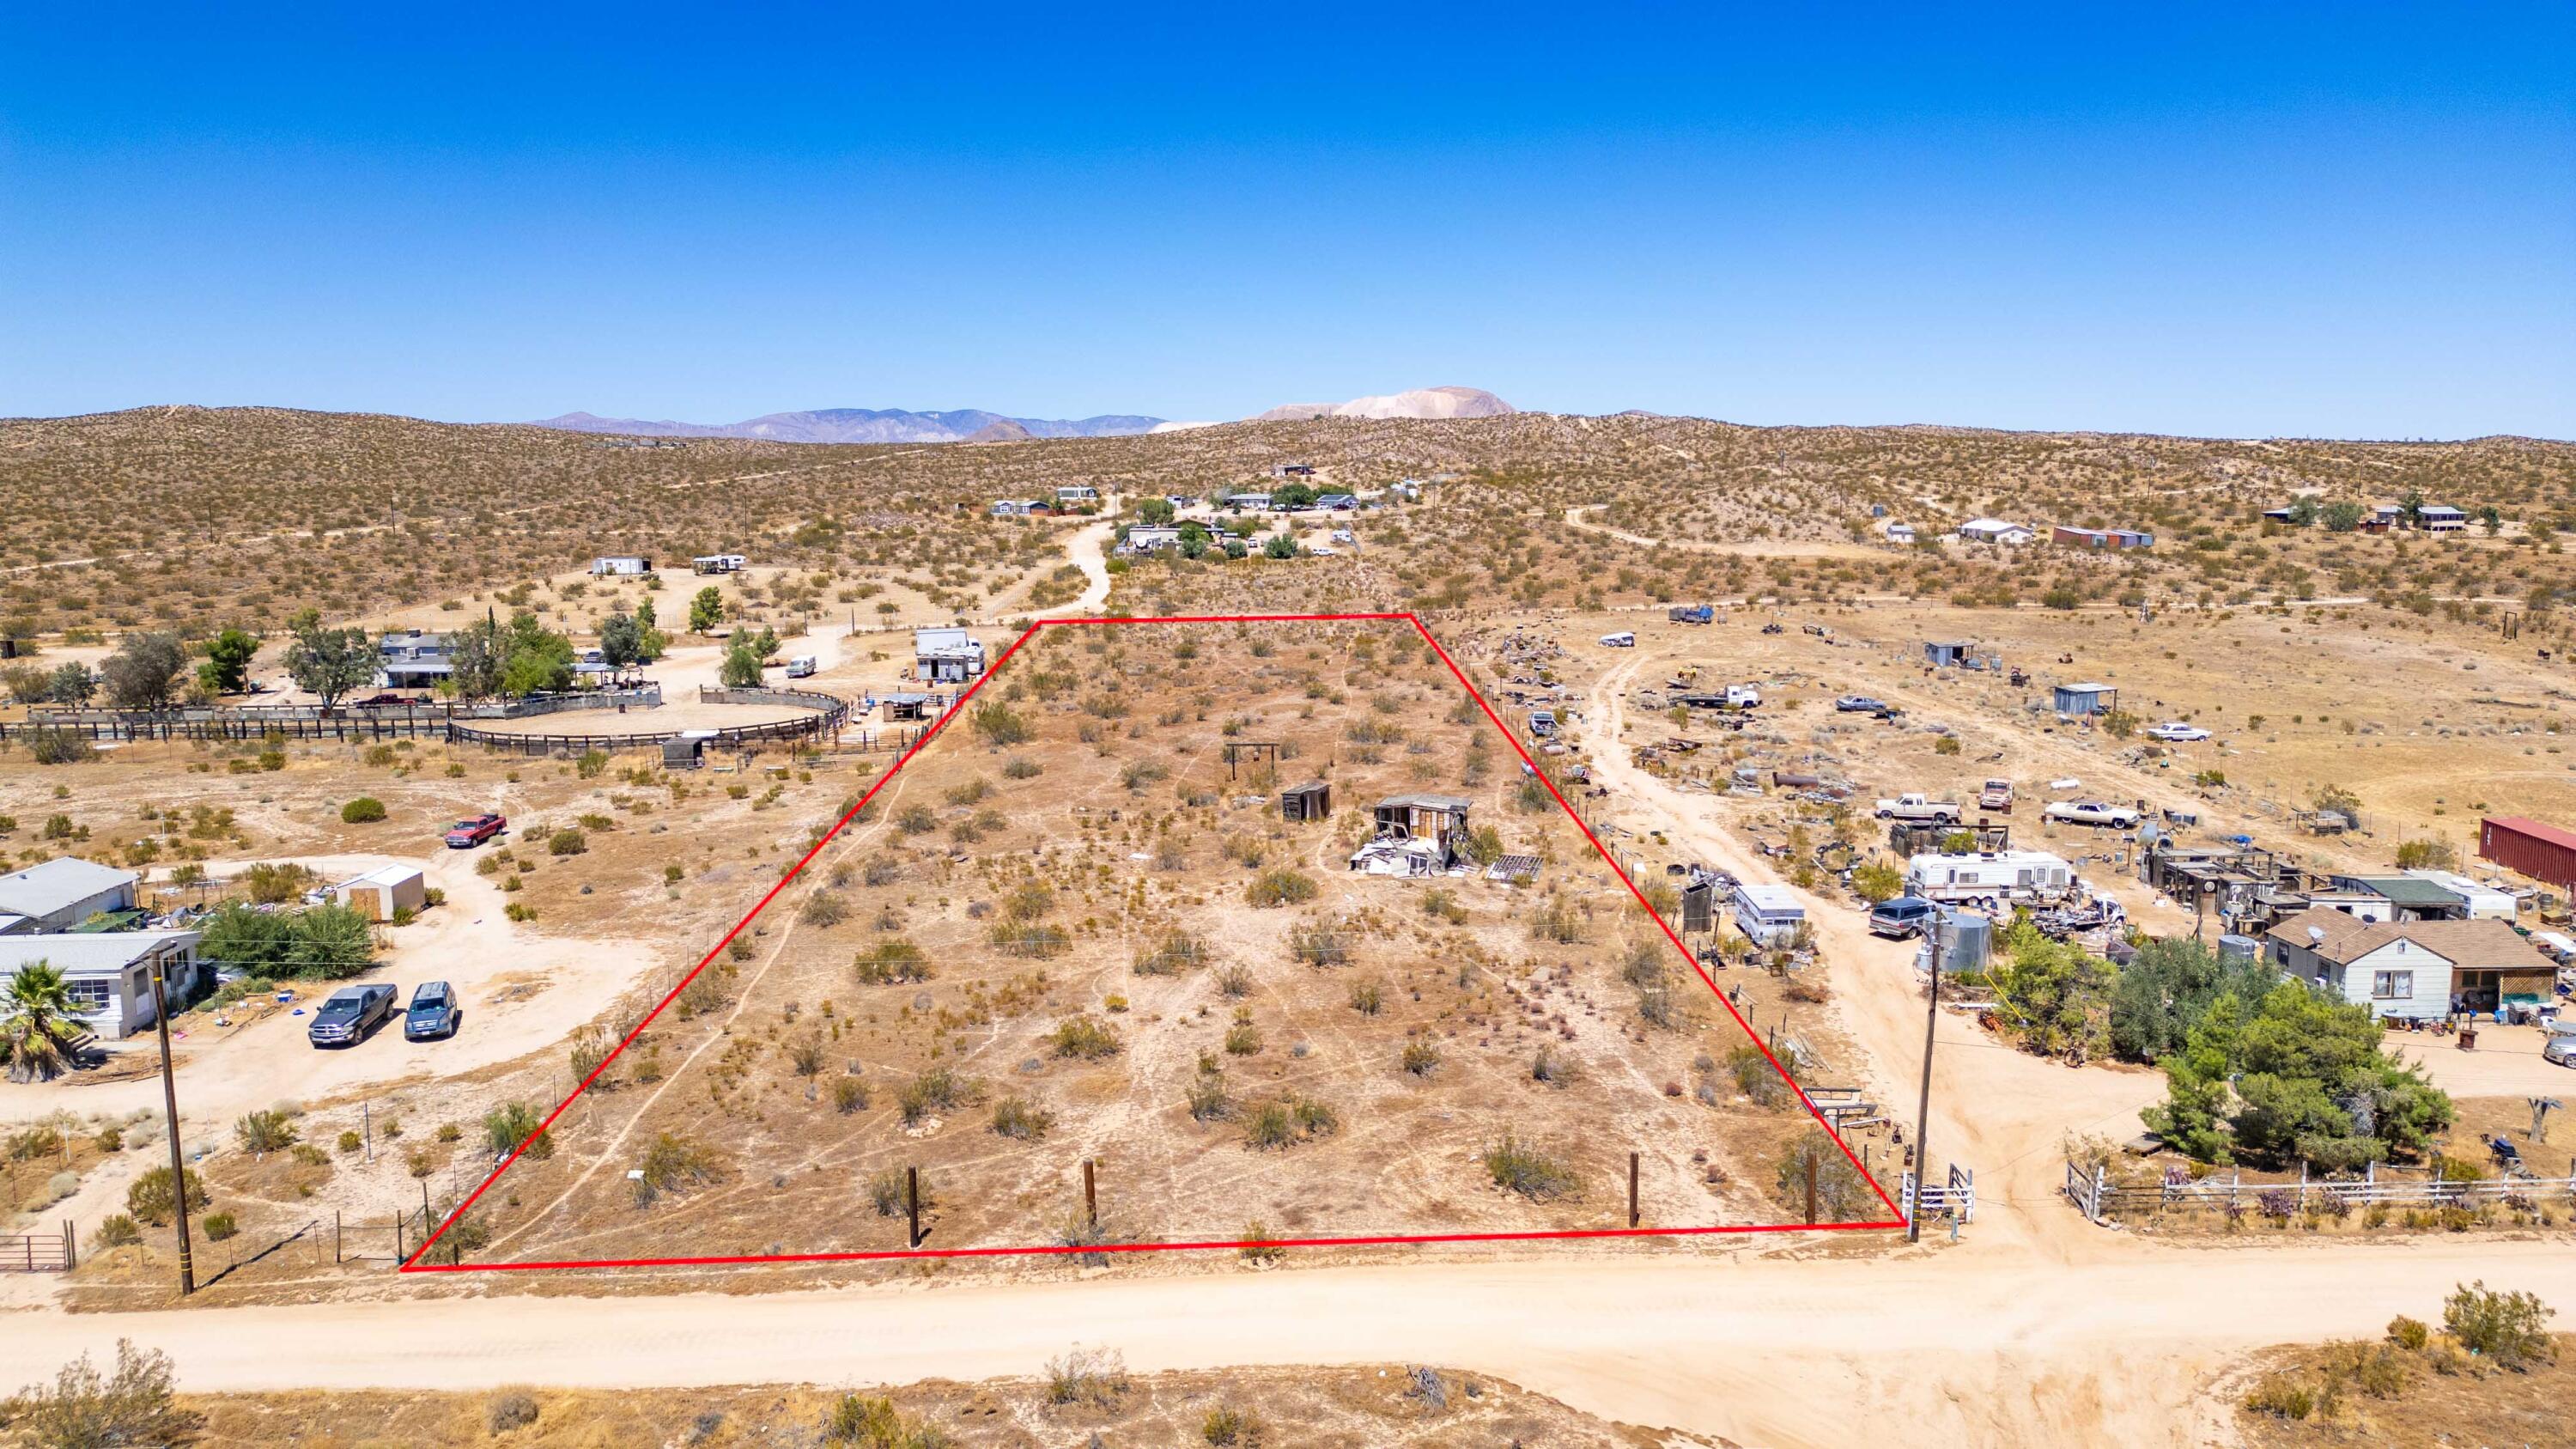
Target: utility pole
(1923, 1107)
(170, 1102)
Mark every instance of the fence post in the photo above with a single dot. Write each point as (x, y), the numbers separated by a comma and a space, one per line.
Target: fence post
(71, 1252)
(1632, 1189)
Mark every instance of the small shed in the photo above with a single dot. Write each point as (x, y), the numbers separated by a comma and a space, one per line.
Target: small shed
(1942, 653)
(1441, 819)
(380, 895)
(1310, 801)
(2086, 699)
(907, 706)
(686, 750)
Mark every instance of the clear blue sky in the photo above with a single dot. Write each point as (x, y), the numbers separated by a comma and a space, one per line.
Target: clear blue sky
(2344, 220)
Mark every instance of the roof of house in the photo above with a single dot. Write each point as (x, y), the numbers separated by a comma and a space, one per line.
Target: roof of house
(2472, 944)
(942, 641)
(1311, 787)
(1423, 802)
(387, 875)
(2406, 890)
(107, 951)
(41, 890)
(2556, 835)
(1990, 525)
(2089, 688)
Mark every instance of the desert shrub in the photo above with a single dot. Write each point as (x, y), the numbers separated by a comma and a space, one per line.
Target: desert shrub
(2409, 1334)
(1287, 1121)
(1318, 946)
(892, 962)
(1082, 1038)
(362, 810)
(886, 1189)
(512, 1123)
(673, 1162)
(704, 992)
(588, 1053)
(2505, 1328)
(882, 870)
(1546, 1066)
(936, 1090)
(1090, 1376)
(1015, 1117)
(1258, 1245)
(84, 1409)
(1242, 1039)
(998, 725)
(805, 1056)
(1755, 1077)
(917, 820)
(826, 909)
(1225, 1426)
(219, 1226)
(1841, 1192)
(151, 1199)
(60, 747)
(510, 1409)
(1281, 887)
(849, 1094)
(1207, 1096)
(863, 1422)
(1559, 922)
(1420, 1058)
(1030, 939)
(1442, 904)
(1517, 1167)
(1020, 767)
(261, 1133)
(1368, 998)
(1172, 953)
(116, 1230)
(2280, 1396)
(567, 841)
(1233, 981)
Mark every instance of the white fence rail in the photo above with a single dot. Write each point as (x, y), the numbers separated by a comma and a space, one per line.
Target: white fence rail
(2098, 1198)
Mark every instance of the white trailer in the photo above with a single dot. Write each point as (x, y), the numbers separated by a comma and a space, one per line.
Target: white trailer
(1769, 915)
(2006, 874)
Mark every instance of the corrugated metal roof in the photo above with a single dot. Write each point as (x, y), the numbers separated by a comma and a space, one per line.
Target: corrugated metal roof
(41, 890)
(107, 951)
(2563, 838)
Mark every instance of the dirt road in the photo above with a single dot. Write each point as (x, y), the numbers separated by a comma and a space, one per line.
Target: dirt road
(1777, 1352)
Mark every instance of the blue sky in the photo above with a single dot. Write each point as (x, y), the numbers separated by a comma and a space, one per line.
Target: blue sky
(2337, 220)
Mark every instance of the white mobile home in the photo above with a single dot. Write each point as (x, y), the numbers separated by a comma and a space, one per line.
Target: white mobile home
(60, 894)
(948, 656)
(625, 565)
(717, 563)
(2008, 874)
(2486, 902)
(110, 972)
(1769, 915)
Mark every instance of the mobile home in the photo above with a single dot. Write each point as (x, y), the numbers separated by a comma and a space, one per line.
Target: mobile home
(1769, 915)
(2010, 874)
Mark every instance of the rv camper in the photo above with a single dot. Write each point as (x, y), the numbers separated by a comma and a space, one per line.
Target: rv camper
(2021, 875)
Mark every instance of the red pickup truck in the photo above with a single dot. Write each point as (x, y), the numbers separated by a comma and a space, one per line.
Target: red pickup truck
(471, 833)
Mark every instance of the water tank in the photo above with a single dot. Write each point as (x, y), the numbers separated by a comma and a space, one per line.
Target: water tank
(1967, 938)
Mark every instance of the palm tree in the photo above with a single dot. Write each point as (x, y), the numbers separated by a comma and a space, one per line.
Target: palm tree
(38, 1023)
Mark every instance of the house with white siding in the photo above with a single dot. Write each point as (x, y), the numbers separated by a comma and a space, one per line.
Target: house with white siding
(2417, 970)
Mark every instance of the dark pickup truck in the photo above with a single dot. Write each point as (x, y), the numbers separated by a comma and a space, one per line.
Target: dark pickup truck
(350, 1014)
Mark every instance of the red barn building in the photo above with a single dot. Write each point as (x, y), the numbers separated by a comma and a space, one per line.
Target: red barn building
(2542, 852)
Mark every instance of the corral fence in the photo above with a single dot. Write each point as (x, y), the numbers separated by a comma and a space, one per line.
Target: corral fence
(1955, 1194)
(311, 721)
(2100, 1199)
(829, 713)
(39, 1252)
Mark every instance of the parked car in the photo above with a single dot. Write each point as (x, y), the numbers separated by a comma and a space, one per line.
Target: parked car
(471, 833)
(2092, 812)
(1621, 640)
(2174, 731)
(350, 1014)
(1859, 704)
(2559, 1051)
(1916, 806)
(1903, 916)
(801, 667)
(1997, 797)
(432, 1012)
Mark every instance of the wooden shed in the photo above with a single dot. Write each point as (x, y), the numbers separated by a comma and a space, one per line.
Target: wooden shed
(1310, 801)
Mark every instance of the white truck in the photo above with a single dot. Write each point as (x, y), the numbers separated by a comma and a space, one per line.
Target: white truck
(1743, 696)
(801, 667)
(1916, 806)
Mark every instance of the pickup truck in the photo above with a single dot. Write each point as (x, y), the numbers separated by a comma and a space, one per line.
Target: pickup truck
(2091, 812)
(1542, 723)
(1743, 696)
(1996, 797)
(471, 833)
(1915, 805)
(351, 1013)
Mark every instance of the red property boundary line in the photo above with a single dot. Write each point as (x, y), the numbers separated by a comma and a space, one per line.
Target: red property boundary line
(1895, 1218)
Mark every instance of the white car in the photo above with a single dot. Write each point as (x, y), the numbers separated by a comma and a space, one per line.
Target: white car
(2176, 732)
(2092, 812)
(1320, 551)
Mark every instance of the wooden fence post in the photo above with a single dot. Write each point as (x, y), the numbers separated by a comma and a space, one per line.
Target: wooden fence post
(912, 1204)
(1632, 1191)
(1090, 1195)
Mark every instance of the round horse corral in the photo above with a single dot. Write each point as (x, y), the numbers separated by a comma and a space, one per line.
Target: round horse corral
(740, 717)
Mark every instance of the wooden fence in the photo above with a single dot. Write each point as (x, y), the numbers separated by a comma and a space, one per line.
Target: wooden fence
(311, 721)
(2098, 1198)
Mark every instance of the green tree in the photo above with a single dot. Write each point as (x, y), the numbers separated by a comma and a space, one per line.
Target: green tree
(85, 1409)
(620, 639)
(1877, 880)
(39, 1022)
(1194, 539)
(534, 659)
(707, 610)
(144, 670)
(2168, 987)
(1280, 545)
(1155, 511)
(329, 663)
(2411, 508)
(227, 666)
(1292, 495)
(2342, 516)
(71, 684)
(2303, 510)
(741, 667)
(2050, 994)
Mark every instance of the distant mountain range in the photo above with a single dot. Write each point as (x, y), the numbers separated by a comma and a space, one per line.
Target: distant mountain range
(866, 425)
(974, 425)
